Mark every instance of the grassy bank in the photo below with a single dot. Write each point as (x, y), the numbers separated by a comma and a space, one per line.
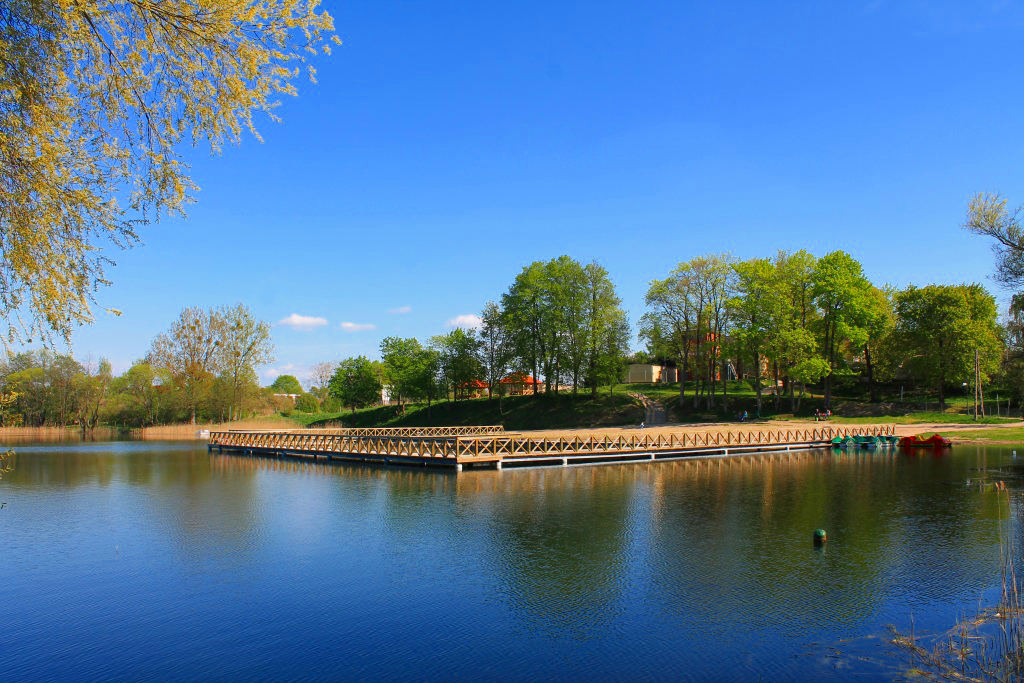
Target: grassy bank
(914, 418)
(999, 435)
(514, 412)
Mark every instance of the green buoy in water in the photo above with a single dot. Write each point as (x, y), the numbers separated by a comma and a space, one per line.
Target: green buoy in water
(820, 536)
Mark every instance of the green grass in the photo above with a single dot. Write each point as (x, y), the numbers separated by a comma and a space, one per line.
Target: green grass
(564, 411)
(999, 435)
(912, 418)
(306, 419)
(514, 412)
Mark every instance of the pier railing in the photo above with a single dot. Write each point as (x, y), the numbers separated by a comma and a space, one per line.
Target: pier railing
(419, 432)
(525, 446)
(429, 444)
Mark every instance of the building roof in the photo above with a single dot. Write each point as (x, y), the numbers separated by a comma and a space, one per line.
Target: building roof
(519, 378)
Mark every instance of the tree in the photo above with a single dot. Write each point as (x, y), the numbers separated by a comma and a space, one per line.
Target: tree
(688, 317)
(606, 329)
(458, 353)
(751, 309)
(568, 292)
(987, 215)
(668, 325)
(878, 324)
(355, 383)
(244, 345)
(844, 297)
(497, 347)
(92, 388)
(527, 313)
(794, 350)
(611, 352)
(403, 365)
(97, 97)
(319, 375)
(189, 351)
(307, 403)
(286, 384)
(140, 394)
(940, 327)
(1013, 369)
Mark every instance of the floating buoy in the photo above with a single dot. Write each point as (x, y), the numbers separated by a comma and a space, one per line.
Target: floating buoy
(820, 536)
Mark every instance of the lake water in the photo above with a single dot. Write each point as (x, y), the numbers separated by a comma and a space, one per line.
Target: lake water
(155, 560)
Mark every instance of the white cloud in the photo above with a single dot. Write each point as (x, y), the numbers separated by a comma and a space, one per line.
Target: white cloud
(298, 371)
(357, 327)
(466, 320)
(400, 310)
(302, 322)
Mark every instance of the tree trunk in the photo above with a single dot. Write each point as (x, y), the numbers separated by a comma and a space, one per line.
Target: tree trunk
(792, 393)
(775, 386)
(757, 380)
(830, 343)
(872, 384)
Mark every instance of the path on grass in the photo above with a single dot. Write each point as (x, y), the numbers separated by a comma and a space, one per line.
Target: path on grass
(654, 410)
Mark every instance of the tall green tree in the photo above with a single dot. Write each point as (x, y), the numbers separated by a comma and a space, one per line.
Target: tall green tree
(286, 384)
(244, 346)
(752, 313)
(940, 327)
(606, 330)
(189, 350)
(670, 323)
(497, 351)
(403, 361)
(530, 321)
(355, 383)
(459, 356)
(844, 297)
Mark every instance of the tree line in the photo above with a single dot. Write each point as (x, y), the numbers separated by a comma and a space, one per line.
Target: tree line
(785, 324)
(794, 320)
(560, 320)
(202, 368)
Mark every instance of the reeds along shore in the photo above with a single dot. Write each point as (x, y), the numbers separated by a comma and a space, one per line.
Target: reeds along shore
(190, 431)
(172, 432)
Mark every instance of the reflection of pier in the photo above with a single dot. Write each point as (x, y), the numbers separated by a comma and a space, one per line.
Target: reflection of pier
(490, 447)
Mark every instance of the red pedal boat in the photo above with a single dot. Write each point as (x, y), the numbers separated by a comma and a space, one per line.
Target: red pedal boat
(933, 441)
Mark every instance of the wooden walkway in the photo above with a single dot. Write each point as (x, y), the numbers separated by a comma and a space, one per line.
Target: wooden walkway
(490, 447)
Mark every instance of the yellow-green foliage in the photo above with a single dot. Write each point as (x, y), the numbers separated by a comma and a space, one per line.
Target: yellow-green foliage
(95, 96)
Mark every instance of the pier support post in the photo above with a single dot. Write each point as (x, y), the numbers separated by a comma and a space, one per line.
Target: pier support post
(497, 465)
(458, 467)
(565, 462)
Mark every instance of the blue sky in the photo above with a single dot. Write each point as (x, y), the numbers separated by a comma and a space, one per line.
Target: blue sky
(446, 145)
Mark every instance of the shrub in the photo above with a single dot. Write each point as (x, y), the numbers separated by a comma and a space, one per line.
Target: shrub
(307, 403)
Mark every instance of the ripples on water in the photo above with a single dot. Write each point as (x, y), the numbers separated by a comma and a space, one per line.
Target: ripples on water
(129, 560)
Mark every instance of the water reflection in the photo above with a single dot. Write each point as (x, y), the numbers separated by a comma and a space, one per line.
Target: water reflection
(702, 566)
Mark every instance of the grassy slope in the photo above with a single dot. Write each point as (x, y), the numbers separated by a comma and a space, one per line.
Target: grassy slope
(546, 412)
(1013, 435)
(515, 412)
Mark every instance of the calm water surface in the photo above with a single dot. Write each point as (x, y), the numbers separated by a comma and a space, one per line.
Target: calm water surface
(143, 560)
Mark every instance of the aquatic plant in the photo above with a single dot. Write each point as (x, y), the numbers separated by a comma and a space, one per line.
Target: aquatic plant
(988, 646)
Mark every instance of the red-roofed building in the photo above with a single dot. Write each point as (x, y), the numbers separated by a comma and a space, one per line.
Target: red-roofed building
(474, 389)
(520, 383)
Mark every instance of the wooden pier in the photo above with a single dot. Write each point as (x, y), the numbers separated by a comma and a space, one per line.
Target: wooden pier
(461, 448)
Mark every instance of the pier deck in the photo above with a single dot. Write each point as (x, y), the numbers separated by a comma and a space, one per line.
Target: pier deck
(474, 447)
